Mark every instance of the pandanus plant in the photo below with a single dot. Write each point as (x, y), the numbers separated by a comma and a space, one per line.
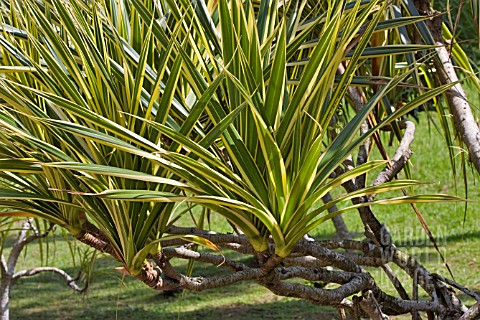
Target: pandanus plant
(118, 115)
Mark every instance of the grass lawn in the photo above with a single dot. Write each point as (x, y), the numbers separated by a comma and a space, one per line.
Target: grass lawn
(111, 297)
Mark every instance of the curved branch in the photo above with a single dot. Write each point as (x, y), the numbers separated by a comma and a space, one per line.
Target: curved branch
(335, 297)
(307, 257)
(353, 281)
(411, 266)
(216, 260)
(400, 306)
(307, 261)
(334, 258)
(472, 313)
(151, 275)
(399, 160)
(69, 279)
(370, 306)
(315, 274)
(200, 283)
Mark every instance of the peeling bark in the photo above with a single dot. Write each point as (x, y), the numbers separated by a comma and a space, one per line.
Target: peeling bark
(463, 117)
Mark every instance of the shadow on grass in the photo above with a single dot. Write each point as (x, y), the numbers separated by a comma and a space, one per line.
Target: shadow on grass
(271, 310)
(52, 300)
(440, 239)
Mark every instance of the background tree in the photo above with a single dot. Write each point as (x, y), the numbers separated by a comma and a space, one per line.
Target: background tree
(30, 230)
(120, 116)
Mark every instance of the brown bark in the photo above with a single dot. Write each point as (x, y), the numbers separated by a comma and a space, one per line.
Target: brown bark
(370, 306)
(96, 243)
(152, 277)
(307, 262)
(472, 313)
(414, 269)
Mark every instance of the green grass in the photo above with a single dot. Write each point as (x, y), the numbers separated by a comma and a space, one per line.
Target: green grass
(111, 297)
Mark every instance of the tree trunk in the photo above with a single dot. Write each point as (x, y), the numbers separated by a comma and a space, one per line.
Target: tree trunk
(7, 267)
(5, 296)
(459, 106)
(464, 119)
